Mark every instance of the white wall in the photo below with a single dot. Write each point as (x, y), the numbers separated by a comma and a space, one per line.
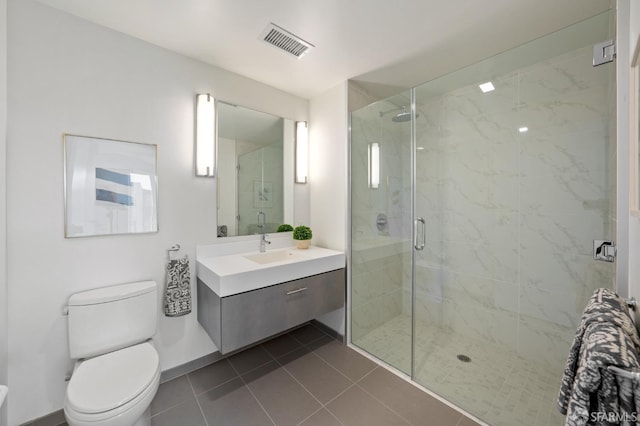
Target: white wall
(3, 204)
(628, 32)
(328, 177)
(68, 75)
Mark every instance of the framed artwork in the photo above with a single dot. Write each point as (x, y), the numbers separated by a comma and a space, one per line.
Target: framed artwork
(110, 187)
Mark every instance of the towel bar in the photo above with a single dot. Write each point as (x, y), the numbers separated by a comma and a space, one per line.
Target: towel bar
(631, 303)
(633, 375)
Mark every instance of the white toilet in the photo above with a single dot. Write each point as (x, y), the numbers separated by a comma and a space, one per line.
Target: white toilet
(118, 369)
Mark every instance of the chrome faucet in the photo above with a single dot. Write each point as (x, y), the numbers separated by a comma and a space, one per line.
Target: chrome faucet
(263, 242)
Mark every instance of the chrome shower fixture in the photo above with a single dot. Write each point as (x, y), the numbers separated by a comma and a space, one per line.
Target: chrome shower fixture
(402, 117)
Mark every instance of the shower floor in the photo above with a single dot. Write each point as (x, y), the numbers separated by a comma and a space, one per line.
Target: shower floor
(498, 386)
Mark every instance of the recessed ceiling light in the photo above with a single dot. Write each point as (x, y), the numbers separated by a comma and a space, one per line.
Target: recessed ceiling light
(523, 129)
(420, 148)
(487, 87)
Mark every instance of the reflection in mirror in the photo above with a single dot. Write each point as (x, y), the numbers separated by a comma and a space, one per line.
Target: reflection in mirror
(252, 147)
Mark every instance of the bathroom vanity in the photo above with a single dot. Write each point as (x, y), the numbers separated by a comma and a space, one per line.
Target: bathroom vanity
(246, 297)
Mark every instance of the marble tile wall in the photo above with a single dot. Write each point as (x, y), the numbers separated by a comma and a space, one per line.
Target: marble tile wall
(514, 214)
(391, 198)
(379, 257)
(510, 216)
(377, 268)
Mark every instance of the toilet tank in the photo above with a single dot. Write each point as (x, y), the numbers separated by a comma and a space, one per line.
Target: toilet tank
(110, 318)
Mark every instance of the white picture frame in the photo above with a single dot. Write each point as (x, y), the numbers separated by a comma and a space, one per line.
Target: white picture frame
(110, 187)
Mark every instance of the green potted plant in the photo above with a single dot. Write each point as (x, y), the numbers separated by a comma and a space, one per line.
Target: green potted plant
(302, 236)
(285, 227)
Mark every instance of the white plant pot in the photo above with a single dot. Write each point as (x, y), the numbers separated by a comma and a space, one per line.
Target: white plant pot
(303, 244)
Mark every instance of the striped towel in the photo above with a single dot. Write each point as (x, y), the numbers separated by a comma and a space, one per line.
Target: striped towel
(606, 336)
(177, 297)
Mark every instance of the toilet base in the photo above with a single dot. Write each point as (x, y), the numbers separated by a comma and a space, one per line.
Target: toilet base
(145, 419)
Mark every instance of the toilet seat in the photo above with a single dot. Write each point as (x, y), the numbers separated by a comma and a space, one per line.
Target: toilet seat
(113, 385)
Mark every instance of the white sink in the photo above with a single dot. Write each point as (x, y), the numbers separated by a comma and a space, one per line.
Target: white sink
(286, 255)
(231, 274)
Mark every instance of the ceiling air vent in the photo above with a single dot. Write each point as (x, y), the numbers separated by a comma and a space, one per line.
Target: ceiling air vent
(286, 41)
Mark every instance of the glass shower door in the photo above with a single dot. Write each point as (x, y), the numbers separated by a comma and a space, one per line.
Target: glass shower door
(514, 181)
(381, 231)
(510, 182)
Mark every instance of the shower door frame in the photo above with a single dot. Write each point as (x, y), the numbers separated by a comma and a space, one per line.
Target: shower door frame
(349, 258)
(414, 230)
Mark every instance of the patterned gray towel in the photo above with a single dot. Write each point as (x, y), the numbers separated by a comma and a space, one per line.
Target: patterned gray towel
(177, 297)
(599, 396)
(592, 351)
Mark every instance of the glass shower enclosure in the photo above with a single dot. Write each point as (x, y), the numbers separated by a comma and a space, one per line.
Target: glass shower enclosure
(473, 211)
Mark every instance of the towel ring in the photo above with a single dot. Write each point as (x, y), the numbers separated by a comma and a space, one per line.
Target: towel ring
(173, 250)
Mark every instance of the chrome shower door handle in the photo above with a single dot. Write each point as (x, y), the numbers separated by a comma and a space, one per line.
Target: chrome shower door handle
(420, 245)
(264, 219)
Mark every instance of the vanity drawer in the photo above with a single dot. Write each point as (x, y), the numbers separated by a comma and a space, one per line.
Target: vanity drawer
(255, 315)
(236, 321)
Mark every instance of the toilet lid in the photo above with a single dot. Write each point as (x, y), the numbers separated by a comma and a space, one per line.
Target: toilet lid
(108, 381)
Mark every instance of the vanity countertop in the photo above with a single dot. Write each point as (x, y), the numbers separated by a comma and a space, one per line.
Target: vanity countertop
(237, 273)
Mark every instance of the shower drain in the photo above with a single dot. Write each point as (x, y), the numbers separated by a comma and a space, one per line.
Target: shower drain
(463, 358)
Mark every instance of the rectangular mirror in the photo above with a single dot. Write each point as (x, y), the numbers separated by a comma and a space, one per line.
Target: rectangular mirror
(110, 187)
(255, 171)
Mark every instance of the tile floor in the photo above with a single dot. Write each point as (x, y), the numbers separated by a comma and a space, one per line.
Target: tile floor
(301, 378)
(304, 377)
(497, 386)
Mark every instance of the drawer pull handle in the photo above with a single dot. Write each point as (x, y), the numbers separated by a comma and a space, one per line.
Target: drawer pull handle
(296, 291)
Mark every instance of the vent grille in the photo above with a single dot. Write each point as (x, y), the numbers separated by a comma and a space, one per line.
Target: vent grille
(286, 41)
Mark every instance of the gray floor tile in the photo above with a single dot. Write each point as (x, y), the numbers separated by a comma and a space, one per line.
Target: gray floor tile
(185, 414)
(171, 394)
(411, 403)
(323, 381)
(211, 376)
(307, 334)
(466, 421)
(322, 341)
(249, 359)
(346, 360)
(260, 372)
(355, 407)
(281, 345)
(232, 404)
(286, 380)
(55, 418)
(321, 418)
(282, 397)
(292, 356)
